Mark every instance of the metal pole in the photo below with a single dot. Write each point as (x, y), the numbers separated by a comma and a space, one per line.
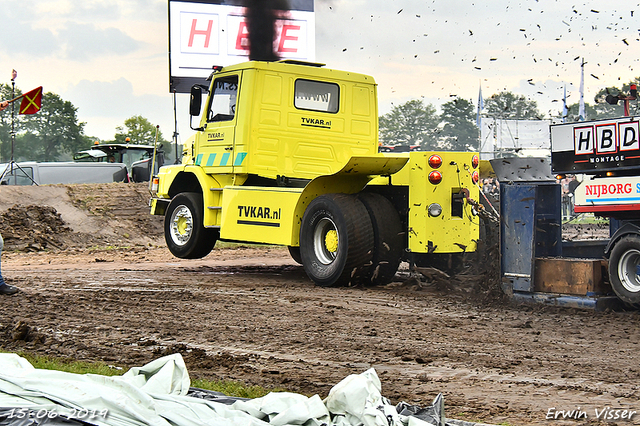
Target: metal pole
(153, 160)
(175, 131)
(13, 131)
(12, 163)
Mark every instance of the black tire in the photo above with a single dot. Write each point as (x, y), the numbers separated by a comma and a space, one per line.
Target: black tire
(295, 254)
(184, 232)
(624, 269)
(336, 240)
(388, 240)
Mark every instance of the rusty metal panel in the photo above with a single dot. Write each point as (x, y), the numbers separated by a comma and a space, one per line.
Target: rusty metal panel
(570, 276)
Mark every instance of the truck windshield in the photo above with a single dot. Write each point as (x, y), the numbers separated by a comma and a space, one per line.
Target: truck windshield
(223, 101)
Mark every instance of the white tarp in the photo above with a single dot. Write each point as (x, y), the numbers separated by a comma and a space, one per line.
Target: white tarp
(156, 395)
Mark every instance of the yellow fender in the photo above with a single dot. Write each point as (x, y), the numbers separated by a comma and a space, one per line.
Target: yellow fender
(351, 179)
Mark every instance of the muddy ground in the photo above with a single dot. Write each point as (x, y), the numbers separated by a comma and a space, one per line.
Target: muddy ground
(97, 284)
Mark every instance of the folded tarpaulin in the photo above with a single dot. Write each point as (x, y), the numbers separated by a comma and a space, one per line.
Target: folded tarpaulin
(158, 394)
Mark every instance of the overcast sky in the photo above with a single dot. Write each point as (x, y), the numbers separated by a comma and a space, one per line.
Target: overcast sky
(109, 57)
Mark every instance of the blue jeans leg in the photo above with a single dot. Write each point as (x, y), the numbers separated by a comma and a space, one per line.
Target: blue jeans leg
(1, 246)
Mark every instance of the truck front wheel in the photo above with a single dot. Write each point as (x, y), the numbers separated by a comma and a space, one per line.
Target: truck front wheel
(624, 269)
(184, 232)
(336, 240)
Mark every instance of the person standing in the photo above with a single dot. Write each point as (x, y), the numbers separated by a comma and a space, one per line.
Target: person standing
(573, 184)
(5, 288)
(566, 198)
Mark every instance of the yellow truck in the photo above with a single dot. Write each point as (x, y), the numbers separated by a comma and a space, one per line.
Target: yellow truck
(286, 153)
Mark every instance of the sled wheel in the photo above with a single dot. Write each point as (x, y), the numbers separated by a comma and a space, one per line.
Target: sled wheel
(294, 252)
(624, 269)
(336, 240)
(387, 238)
(184, 232)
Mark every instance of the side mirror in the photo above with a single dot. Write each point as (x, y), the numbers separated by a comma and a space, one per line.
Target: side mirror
(195, 104)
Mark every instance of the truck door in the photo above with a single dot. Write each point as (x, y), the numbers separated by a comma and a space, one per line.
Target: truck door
(215, 145)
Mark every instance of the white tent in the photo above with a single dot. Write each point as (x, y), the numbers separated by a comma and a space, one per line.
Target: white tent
(508, 138)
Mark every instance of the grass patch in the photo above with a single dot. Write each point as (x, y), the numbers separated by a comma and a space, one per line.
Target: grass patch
(229, 388)
(233, 388)
(78, 367)
(588, 219)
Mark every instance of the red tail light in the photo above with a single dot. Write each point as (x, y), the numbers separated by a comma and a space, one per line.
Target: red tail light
(475, 177)
(435, 161)
(475, 161)
(435, 177)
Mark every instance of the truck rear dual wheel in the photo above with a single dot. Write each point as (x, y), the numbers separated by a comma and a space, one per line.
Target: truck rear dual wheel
(388, 239)
(624, 269)
(336, 240)
(184, 230)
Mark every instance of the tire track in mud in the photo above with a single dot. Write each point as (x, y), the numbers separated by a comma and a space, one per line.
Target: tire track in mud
(269, 325)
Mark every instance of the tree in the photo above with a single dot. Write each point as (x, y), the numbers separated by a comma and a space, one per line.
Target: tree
(459, 131)
(604, 110)
(411, 123)
(51, 132)
(139, 130)
(507, 105)
(573, 112)
(601, 109)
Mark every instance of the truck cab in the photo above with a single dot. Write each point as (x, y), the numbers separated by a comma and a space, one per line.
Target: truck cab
(607, 152)
(265, 119)
(287, 153)
(138, 159)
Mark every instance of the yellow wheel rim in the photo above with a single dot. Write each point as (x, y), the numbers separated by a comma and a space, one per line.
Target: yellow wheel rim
(331, 241)
(182, 225)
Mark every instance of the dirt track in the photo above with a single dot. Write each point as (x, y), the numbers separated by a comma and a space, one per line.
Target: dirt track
(251, 314)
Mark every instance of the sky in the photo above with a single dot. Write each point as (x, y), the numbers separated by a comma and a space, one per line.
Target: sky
(109, 57)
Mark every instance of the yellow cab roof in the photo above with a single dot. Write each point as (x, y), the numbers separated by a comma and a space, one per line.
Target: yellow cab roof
(310, 69)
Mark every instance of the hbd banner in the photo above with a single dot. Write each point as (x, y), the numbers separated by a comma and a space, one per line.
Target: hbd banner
(595, 146)
(207, 33)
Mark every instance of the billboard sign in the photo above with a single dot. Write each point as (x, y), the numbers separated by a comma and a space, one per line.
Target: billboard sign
(595, 146)
(204, 33)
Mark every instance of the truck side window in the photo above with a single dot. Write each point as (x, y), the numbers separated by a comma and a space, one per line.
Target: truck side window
(223, 101)
(316, 96)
